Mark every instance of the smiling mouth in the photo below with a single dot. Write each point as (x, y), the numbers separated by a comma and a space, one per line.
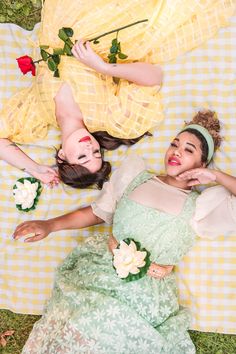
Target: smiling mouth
(174, 162)
(85, 138)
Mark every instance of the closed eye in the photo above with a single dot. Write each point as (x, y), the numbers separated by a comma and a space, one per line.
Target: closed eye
(173, 144)
(97, 152)
(81, 157)
(188, 150)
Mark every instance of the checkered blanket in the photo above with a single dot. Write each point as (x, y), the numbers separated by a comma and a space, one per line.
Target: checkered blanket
(203, 78)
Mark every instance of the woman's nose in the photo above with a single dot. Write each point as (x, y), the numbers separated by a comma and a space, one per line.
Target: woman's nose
(89, 150)
(88, 145)
(177, 152)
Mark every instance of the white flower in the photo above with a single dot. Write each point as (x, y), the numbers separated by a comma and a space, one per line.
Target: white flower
(25, 193)
(128, 260)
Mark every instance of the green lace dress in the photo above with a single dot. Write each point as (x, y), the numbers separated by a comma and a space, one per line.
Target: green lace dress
(94, 311)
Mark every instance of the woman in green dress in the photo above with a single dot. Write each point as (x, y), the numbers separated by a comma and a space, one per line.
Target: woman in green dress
(94, 308)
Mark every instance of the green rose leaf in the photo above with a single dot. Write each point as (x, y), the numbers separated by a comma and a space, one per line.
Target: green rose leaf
(44, 55)
(69, 42)
(114, 49)
(114, 41)
(56, 58)
(44, 46)
(122, 55)
(112, 58)
(62, 35)
(56, 73)
(51, 64)
(67, 49)
(58, 51)
(68, 31)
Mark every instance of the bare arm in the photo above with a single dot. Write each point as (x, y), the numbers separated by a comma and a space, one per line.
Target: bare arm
(13, 155)
(205, 175)
(78, 219)
(140, 73)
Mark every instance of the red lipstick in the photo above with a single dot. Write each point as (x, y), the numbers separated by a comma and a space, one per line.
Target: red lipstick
(174, 161)
(84, 139)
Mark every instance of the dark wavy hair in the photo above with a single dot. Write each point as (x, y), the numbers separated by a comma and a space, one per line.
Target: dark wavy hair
(77, 176)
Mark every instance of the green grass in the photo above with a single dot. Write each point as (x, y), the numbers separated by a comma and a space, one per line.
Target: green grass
(206, 343)
(214, 343)
(26, 14)
(21, 324)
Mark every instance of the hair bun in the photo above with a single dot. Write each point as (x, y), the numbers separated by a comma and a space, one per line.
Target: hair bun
(209, 120)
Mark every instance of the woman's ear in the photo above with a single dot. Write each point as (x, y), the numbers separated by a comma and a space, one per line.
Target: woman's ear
(61, 155)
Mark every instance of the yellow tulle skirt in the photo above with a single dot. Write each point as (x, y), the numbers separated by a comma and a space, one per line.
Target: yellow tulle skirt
(125, 110)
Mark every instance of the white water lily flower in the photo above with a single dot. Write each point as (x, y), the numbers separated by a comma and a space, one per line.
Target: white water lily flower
(127, 259)
(25, 193)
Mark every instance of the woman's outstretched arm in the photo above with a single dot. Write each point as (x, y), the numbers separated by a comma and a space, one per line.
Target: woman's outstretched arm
(13, 155)
(40, 229)
(143, 74)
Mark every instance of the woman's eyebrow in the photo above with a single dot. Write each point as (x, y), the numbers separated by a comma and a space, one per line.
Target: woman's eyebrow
(177, 139)
(192, 145)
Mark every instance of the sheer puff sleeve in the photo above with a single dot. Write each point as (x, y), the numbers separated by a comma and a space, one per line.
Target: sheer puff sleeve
(105, 205)
(215, 213)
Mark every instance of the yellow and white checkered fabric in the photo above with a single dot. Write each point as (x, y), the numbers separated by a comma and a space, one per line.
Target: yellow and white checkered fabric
(203, 78)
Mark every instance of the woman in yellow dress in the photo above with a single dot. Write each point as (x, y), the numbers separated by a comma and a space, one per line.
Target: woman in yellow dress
(126, 110)
(28, 114)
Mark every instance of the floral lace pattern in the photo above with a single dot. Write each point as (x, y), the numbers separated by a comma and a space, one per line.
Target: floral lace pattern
(93, 311)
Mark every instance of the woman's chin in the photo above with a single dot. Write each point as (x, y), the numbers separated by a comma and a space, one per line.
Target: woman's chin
(173, 171)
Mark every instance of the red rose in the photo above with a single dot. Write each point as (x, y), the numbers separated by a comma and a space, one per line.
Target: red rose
(26, 64)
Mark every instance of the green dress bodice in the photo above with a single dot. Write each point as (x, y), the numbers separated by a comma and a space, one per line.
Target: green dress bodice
(167, 237)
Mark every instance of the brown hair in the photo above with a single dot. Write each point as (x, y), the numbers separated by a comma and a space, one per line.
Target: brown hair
(109, 142)
(207, 119)
(78, 176)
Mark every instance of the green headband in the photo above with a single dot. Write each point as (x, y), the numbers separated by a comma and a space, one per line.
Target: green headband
(205, 133)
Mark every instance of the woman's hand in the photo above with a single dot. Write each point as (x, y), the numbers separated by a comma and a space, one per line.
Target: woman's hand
(112, 243)
(155, 270)
(46, 174)
(197, 176)
(39, 228)
(85, 54)
(159, 271)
